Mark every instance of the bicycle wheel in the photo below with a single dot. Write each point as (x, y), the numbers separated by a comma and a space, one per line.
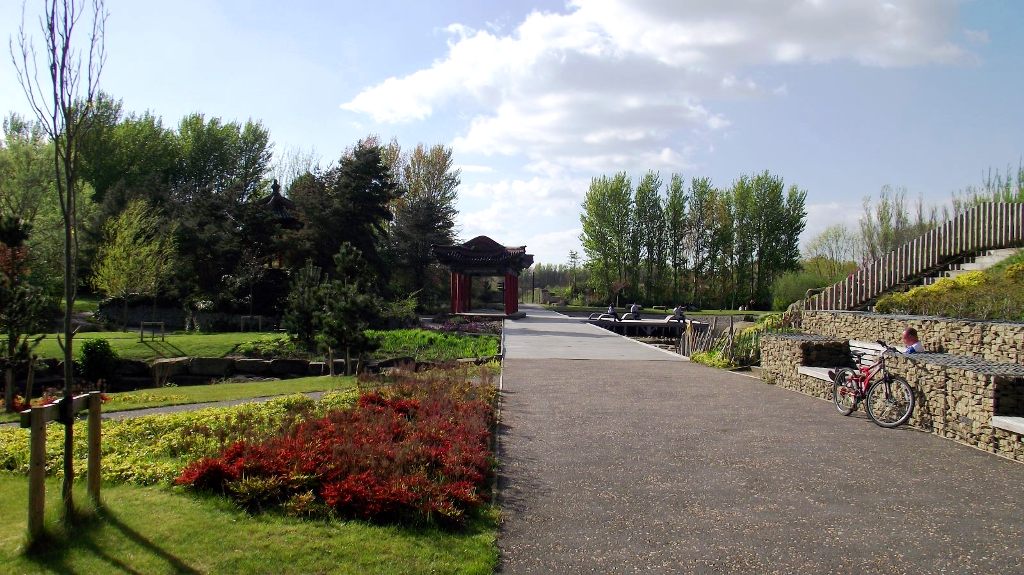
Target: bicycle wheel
(890, 401)
(844, 394)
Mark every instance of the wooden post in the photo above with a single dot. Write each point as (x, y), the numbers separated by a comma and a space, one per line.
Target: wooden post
(93, 474)
(36, 473)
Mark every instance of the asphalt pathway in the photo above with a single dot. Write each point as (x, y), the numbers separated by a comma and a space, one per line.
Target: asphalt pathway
(654, 466)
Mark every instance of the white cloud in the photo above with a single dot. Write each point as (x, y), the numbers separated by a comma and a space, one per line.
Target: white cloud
(614, 82)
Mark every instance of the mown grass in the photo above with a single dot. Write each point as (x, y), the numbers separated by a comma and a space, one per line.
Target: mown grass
(426, 345)
(86, 304)
(128, 346)
(158, 530)
(164, 396)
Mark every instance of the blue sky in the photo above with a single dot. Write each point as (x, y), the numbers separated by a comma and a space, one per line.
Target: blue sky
(839, 97)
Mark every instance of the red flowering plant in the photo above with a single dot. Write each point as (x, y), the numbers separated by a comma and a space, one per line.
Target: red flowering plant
(412, 451)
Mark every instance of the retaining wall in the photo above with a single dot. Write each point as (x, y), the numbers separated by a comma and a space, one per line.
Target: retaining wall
(956, 396)
(992, 340)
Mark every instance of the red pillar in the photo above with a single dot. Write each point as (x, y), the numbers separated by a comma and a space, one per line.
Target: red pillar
(515, 293)
(455, 279)
(467, 294)
(508, 294)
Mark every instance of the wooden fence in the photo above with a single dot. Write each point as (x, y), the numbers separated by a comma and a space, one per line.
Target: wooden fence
(984, 227)
(36, 419)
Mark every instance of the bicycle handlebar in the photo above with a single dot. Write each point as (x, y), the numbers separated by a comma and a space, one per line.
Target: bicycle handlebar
(886, 346)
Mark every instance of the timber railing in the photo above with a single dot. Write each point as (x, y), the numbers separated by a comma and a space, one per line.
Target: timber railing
(983, 227)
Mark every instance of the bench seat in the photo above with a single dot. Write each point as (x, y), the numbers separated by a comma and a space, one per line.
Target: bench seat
(815, 372)
(1009, 423)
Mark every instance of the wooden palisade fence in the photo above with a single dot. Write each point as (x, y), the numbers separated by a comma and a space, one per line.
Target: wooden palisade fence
(36, 419)
(983, 227)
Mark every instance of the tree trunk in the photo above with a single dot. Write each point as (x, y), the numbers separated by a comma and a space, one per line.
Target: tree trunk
(9, 388)
(69, 362)
(30, 379)
(348, 360)
(330, 361)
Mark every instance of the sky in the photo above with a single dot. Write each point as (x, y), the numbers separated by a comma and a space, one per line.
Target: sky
(839, 97)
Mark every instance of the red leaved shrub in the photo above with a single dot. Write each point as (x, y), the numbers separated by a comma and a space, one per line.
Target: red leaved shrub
(412, 450)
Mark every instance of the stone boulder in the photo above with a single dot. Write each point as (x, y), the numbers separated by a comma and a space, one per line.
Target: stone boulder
(293, 367)
(252, 366)
(170, 366)
(132, 368)
(211, 366)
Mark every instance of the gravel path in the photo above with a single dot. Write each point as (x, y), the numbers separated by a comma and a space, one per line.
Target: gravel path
(671, 467)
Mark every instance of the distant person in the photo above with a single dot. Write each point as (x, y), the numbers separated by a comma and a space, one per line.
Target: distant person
(634, 310)
(679, 313)
(910, 340)
(611, 311)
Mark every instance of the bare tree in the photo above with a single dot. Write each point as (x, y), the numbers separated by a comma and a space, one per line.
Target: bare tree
(830, 250)
(292, 163)
(62, 99)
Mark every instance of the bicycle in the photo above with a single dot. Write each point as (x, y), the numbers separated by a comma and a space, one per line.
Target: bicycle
(889, 398)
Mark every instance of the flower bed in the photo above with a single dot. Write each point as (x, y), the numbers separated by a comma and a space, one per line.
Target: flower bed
(415, 450)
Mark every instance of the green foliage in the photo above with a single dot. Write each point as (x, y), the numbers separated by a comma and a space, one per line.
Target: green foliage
(98, 360)
(713, 358)
(746, 348)
(23, 307)
(424, 216)
(994, 294)
(350, 203)
(888, 223)
(425, 345)
(304, 305)
(400, 312)
(270, 347)
(723, 247)
(792, 286)
(137, 255)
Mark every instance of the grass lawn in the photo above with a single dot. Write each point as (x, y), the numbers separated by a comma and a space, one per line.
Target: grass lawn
(90, 303)
(162, 530)
(128, 346)
(161, 396)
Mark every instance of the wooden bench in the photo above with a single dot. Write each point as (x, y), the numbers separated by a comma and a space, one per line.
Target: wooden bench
(862, 354)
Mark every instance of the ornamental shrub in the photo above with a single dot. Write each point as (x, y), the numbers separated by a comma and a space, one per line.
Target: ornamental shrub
(417, 450)
(98, 361)
(713, 358)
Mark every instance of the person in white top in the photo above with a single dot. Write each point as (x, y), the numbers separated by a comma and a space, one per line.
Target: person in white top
(910, 340)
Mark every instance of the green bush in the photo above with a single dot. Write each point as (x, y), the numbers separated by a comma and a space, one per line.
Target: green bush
(270, 347)
(426, 345)
(747, 344)
(713, 358)
(996, 294)
(98, 360)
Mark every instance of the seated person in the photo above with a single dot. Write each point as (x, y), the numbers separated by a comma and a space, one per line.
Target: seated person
(679, 313)
(634, 311)
(910, 340)
(611, 311)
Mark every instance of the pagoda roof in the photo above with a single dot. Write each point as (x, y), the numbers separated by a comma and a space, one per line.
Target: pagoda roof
(482, 253)
(281, 207)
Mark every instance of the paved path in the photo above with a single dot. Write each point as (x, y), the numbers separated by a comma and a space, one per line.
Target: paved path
(622, 466)
(545, 334)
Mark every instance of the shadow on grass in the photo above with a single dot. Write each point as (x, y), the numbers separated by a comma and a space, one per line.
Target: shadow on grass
(54, 550)
(165, 349)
